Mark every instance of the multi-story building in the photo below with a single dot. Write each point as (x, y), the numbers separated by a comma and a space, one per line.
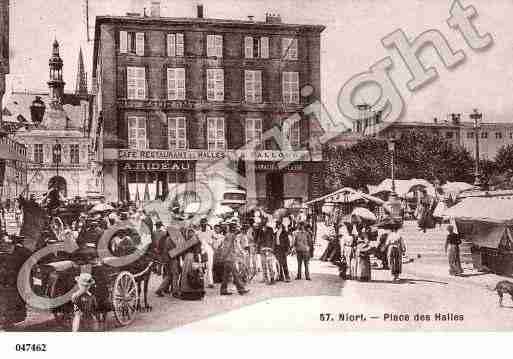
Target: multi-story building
(58, 146)
(174, 95)
(492, 135)
(4, 46)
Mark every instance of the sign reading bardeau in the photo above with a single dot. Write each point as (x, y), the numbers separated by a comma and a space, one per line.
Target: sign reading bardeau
(205, 155)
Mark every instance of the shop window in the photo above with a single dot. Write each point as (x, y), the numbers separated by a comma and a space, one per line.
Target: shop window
(175, 45)
(177, 133)
(216, 133)
(137, 139)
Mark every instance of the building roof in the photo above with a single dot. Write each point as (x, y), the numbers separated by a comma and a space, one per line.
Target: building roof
(483, 209)
(145, 20)
(18, 104)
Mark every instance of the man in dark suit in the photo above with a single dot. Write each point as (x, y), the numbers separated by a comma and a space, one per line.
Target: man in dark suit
(282, 250)
(171, 270)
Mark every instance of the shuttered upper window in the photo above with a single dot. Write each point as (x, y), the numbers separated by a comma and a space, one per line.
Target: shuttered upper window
(289, 48)
(215, 133)
(253, 86)
(215, 85)
(177, 133)
(131, 42)
(176, 84)
(175, 45)
(136, 83)
(254, 131)
(137, 139)
(255, 47)
(215, 45)
(290, 87)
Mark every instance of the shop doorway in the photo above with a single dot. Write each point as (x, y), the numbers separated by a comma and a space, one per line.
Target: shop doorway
(274, 189)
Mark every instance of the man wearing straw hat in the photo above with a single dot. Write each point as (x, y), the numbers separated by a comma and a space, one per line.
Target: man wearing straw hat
(85, 306)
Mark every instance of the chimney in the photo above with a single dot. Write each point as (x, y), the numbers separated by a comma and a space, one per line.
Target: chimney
(435, 120)
(200, 11)
(155, 9)
(251, 17)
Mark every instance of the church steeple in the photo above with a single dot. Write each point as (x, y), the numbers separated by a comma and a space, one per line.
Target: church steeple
(56, 84)
(81, 82)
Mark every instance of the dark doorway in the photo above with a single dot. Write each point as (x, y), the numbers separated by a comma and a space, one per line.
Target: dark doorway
(274, 189)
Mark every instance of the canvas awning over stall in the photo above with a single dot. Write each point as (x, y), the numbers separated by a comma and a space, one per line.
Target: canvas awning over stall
(402, 187)
(346, 195)
(483, 209)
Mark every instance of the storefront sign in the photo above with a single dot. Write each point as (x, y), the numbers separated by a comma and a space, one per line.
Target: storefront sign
(186, 155)
(271, 155)
(273, 166)
(155, 166)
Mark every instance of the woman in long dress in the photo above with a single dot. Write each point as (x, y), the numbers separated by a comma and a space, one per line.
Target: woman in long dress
(363, 265)
(396, 248)
(452, 248)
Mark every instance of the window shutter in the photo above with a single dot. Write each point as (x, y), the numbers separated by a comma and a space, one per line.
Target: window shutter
(304, 132)
(219, 45)
(171, 49)
(171, 84)
(123, 42)
(192, 133)
(122, 84)
(153, 131)
(248, 47)
(219, 73)
(248, 85)
(179, 45)
(257, 81)
(205, 133)
(180, 83)
(139, 43)
(264, 47)
(210, 45)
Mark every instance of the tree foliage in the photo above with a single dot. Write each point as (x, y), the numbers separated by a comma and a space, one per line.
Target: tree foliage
(417, 155)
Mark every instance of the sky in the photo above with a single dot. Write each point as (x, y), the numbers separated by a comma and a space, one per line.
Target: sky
(350, 44)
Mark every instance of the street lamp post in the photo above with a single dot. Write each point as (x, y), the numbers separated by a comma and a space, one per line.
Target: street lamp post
(391, 149)
(477, 118)
(57, 151)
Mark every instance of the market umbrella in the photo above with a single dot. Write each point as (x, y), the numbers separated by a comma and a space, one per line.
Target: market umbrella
(223, 211)
(364, 214)
(101, 207)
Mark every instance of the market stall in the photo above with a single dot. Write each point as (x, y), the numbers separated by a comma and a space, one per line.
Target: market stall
(486, 224)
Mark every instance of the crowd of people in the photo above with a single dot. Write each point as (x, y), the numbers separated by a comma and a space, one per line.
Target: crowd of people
(357, 241)
(232, 251)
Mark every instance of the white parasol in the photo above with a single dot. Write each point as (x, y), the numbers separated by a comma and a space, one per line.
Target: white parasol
(364, 213)
(101, 207)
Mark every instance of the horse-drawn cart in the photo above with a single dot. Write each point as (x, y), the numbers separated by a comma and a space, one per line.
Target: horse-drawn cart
(120, 261)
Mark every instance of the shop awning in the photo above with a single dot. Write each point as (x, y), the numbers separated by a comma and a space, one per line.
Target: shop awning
(402, 187)
(489, 238)
(347, 194)
(483, 209)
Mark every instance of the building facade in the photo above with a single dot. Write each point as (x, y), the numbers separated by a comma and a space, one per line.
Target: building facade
(4, 46)
(57, 147)
(492, 135)
(175, 95)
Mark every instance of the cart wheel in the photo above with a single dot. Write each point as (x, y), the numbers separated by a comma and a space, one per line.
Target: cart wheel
(124, 298)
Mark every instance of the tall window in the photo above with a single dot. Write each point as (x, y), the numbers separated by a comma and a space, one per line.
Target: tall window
(131, 42)
(177, 133)
(292, 130)
(38, 153)
(254, 131)
(57, 153)
(215, 84)
(136, 83)
(289, 49)
(74, 154)
(255, 47)
(290, 87)
(176, 84)
(498, 135)
(175, 45)
(253, 86)
(137, 133)
(215, 133)
(215, 45)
